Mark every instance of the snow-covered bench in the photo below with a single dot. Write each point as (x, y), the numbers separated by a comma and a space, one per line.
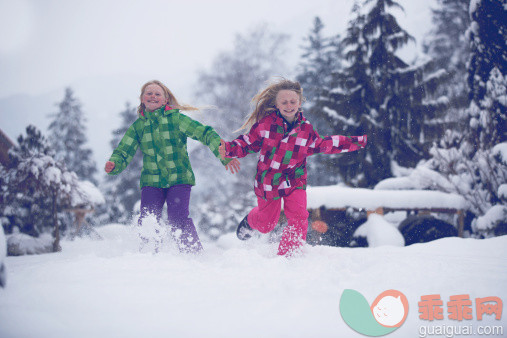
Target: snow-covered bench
(384, 201)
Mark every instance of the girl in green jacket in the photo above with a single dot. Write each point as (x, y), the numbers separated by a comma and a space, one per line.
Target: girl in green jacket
(161, 132)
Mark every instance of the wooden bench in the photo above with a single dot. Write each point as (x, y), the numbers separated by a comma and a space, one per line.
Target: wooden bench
(385, 201)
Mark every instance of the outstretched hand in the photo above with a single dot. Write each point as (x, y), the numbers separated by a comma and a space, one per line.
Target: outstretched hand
(233, 166)
(109, 166)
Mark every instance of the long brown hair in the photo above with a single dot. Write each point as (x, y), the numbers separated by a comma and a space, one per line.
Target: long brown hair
(171, 99)
(265, 100)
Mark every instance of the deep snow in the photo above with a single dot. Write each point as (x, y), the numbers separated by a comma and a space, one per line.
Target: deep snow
(234, 289)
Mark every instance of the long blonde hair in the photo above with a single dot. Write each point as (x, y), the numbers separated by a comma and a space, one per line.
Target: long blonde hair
(171, 99)
(265, 100)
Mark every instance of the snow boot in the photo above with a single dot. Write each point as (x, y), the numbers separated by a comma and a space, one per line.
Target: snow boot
(244, 230)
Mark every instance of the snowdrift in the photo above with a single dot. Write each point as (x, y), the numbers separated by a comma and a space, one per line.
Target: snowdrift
(234, 289)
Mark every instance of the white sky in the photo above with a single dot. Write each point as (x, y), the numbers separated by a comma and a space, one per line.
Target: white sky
(106, 49)
(47, 44)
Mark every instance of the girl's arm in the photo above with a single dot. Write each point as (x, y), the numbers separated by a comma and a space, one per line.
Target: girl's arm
(244, 144)
(204, 134)
(335, 144)
(124, 152)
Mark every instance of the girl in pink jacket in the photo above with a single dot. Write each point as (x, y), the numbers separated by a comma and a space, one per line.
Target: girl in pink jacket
(284, 139)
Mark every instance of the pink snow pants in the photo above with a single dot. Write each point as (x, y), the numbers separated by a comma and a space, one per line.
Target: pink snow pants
(264, 218)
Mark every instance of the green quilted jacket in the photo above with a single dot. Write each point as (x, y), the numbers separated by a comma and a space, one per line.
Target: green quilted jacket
(162, 137)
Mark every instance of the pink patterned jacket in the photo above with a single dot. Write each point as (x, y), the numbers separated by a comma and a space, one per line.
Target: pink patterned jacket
(282, 159)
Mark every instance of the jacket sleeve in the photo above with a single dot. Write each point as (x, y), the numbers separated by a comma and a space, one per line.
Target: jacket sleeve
(199, 132)
(125, 151)
(335, 144)
(245, 144)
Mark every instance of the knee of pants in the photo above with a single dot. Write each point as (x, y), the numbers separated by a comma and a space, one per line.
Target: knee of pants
(180, 222)
(297, 216)
(180, 209)
(262, 222)
(295, 209)
(264, 217)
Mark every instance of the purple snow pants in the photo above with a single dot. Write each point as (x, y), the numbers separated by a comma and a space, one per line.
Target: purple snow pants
(177, 198)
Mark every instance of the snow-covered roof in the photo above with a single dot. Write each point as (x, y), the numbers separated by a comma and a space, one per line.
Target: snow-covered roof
(337, 197)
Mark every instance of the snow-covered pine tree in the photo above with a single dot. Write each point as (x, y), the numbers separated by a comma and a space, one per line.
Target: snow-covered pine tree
(449, 49)
(488, 36)
(321, 57)
(29, 212)
(234, 78)
(487, 79)
(378, 94)
(123, 191)
(474, 164)
(350, 96)
(67, 136)
(38, 188)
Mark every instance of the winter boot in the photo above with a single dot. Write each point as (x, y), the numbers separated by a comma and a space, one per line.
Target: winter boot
(244, 230)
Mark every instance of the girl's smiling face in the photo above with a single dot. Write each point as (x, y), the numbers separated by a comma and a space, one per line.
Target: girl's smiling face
(288, 103)
(153, 97)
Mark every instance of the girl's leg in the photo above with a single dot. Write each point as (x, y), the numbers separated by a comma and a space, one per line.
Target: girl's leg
(264, 217)
(294, 234)
(178, 199)
(152, 201)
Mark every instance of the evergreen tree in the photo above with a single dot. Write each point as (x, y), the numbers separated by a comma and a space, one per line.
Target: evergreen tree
(488, 36)
(233, 79)
(378, 94)
(123, 191)
(449, 50)
(322, 56)
(487, 79)
(37, 189)
(67, 136)
(29, 212)
(33, 142)
(474, 164)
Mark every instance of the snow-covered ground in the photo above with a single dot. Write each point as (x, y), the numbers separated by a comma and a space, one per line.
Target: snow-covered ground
(236, 289)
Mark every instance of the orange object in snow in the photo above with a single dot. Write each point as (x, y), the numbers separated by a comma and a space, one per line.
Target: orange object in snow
(319, 226)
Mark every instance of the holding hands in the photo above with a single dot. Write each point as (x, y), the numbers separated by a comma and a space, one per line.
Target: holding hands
(232, 166)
